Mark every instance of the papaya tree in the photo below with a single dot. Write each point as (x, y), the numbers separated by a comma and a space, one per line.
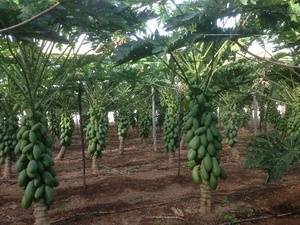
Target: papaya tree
(123, 106)
(9, 127)
(97, 126)
(144, 121)
(171, 128)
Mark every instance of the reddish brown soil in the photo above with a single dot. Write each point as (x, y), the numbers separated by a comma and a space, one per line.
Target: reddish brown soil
(138, 188)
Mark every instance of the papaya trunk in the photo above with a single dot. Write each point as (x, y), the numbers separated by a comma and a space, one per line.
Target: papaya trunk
(181, 144)
(7, 168)
(121, 145)
(95, 167)
(235, 155)
(255, 114)
(61, 153)
(143, 142)
(41, 214)
(171, 160)
(205, 199)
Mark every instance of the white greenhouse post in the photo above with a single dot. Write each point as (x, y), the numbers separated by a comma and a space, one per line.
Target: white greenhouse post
(255, 114)
(153, 121)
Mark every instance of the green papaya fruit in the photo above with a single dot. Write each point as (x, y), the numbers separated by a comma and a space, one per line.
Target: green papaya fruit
(191, 164)
(203, 140)
(32, 137)
(39, 192)
(191, 154)
(216, 170)
(211, 149)
(37, 181)
(27, 148)
(213, 182)
(203, 173)
(194, 143)
(200, 130)
(196, 174)
(196, 124)
(208, 120)
(32, 167)
(26, 202)
(20, 165)
(209, 135)
(36, 127)
(188, 124)
(201, 152)
(30, 190)
(195, 110)
(207, 162)
(48, 178)
(37, 152)
(23, 178)
(49, 196)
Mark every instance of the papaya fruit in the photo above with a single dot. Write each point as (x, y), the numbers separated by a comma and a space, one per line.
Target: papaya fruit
(191, 164)
(32, 137)
(209, 135)
(213, 182)
(49, 195)
(207, 162)
(32, 167)
(30, 190)
(23, 178)
(196, 174)
(37, 152)
(191, 154)
(203, 173)
(216, 170)
(211, 149)
(39, 192)
(208, 120)
(203, 140)
(27, 148)
(200, 130)
(48, 178)
(201, 152)
(194, 143)
(20, 165)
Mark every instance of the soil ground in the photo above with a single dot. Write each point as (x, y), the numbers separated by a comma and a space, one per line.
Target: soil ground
(138, 188)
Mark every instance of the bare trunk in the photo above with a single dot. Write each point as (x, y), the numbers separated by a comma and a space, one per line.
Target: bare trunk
(171, 160)
(235, 155)
(205, 199)
(143, 141)
(121, 145)
(95, 167)
(255, 114)
(61, 153)
(7, 168)
(40, 214)
(154, 121)
(179, 153)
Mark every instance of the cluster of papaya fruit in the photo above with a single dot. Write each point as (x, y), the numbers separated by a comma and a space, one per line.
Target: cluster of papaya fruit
(144, 122)
(35, 165)
(96, 132)
(293, 122)
(123, 124)
(66, 129)
(54, 124)
(204, 140)
(231, 132)
(272, 114)
(171, 127)
(8, 138)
